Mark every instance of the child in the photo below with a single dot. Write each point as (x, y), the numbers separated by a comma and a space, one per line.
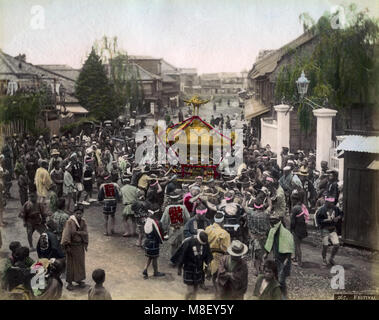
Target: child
(267, 286)
(154, 237)
(98, 292)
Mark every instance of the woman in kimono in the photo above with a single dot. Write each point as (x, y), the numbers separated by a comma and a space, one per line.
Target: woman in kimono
(75, 243)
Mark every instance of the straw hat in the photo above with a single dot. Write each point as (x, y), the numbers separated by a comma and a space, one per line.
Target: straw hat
(54, 152)
(303, 172)
(237, 248)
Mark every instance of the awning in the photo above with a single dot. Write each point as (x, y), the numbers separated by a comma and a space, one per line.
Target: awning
(254, 108)
(75, 109)
(374, 165)
(360, 144)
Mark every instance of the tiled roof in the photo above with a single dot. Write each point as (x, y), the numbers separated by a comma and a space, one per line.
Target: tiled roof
(168, 68)
(360, 144)
(13, 67)
(268, 63)
(143, 74)
(142, 58)
(188, 70)
(62, 69)
(167, 78)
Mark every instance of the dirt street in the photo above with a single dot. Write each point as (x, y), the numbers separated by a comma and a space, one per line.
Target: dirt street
(124, 262)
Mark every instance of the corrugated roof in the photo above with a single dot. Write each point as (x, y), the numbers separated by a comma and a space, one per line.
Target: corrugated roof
(360, 144)
(269, 62)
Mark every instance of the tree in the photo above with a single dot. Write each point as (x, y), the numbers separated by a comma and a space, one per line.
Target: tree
(26, 106)
(123, 76)
(343, 67)
(94, 91)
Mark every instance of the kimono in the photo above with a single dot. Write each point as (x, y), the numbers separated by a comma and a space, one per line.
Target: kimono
(51, 162)
(68, 184)
(173, 219)
(53, 291)
(87, 179)
(53, 250)
(129, 196)
(43, 182)
(219, 241)
(75, 237)
(60, 218)
(140, 213)
(298, 224)
(281, 241)
(232, 278)
(192, 255)
(23, 188)
(186, 201)
(99, 293)
(154, 237)
(279, 205)
(271, 292)
(34, 215)
(193, 225)
(57, 178)
(289, 183)
(259, 226)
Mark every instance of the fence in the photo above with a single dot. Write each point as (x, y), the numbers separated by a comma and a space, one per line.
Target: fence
(269, 133)
(12, 127)
(334, 162)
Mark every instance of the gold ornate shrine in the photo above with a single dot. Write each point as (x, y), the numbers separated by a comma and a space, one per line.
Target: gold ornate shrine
(195, 133)
(196, 102)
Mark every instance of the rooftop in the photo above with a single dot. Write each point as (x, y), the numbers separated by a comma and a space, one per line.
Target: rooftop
(269, 61)
(142, 58)
(360, 144)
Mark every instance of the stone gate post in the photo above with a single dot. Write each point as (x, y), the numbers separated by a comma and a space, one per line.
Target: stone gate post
(324, 134)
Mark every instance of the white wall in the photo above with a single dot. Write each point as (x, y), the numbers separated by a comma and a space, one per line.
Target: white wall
(269, 134)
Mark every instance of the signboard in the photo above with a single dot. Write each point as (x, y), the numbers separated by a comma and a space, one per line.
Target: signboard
(152, 107)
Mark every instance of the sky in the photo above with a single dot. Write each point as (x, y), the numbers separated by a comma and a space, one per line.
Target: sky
(210, 35)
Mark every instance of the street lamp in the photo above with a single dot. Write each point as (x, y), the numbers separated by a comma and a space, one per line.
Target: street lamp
(302, 85)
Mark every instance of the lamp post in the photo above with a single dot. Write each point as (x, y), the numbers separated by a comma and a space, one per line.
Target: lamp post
(324, 117)
(302, 85)
(302, 88)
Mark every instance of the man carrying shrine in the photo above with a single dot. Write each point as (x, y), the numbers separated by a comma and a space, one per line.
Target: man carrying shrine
(173, 219)
(109, 193)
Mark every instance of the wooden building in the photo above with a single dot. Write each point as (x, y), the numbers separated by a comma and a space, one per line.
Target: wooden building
(361, 191)
(261, 82)
(18, 75)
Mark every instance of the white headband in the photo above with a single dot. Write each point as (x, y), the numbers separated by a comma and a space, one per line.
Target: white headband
(198, 236)
(219, 220)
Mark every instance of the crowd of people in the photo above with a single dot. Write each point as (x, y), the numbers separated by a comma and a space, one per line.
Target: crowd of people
(212, 224)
